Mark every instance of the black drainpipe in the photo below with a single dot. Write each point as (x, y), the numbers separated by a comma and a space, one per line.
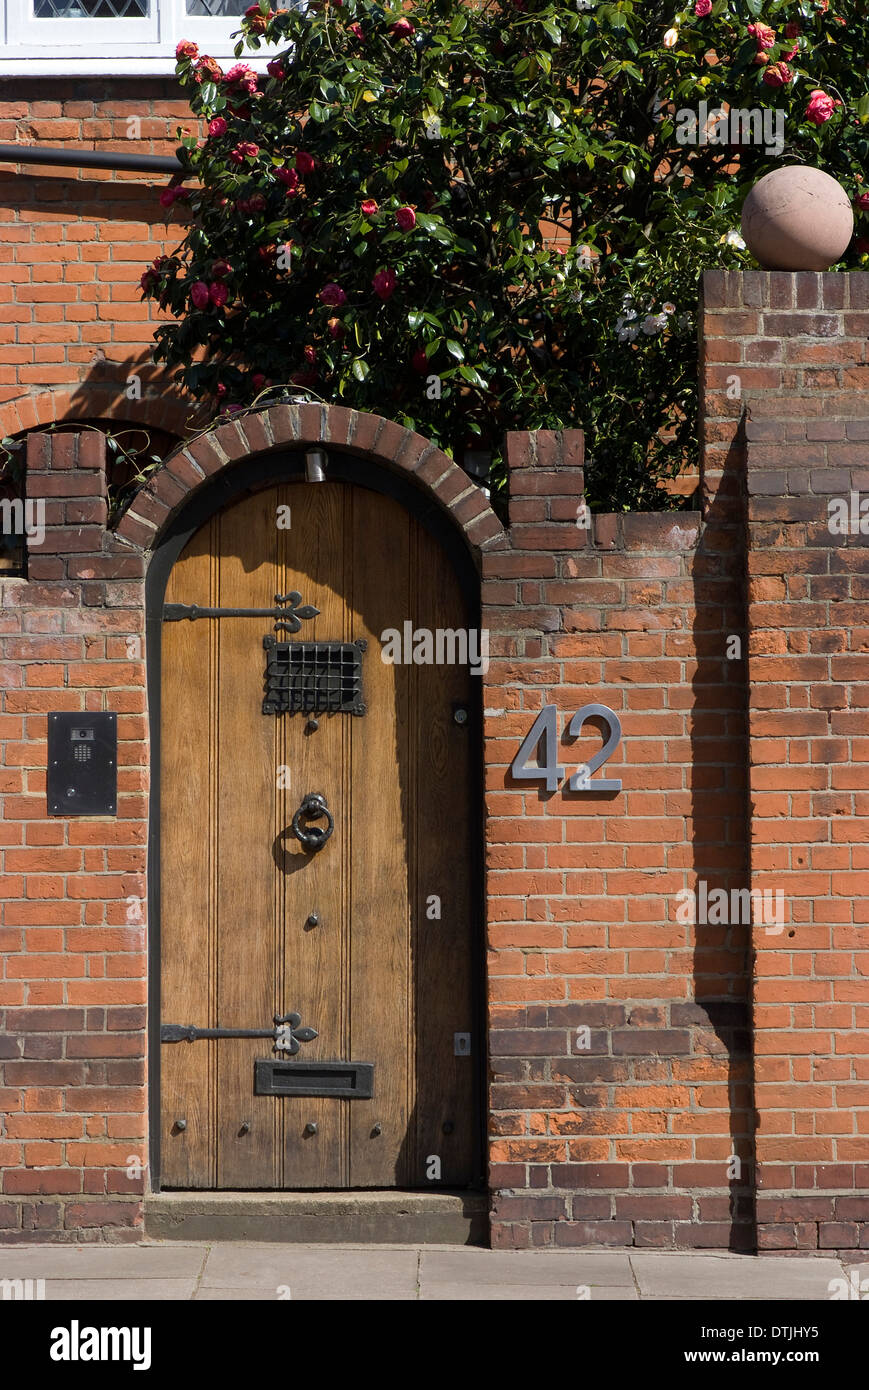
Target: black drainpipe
(89, 159)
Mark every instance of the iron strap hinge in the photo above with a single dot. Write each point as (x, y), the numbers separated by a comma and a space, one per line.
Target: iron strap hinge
(286, 1034)
(287, 612)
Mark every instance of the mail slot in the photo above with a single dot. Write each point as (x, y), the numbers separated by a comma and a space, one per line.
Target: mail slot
(82, 774)
(343, 1080)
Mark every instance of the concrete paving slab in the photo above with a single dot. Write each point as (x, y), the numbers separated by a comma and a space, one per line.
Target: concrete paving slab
(317, 1270)
(251, 1295)
(695, 1276)
(101, 1261)
(527, 1267)
(119, 1290)
(511, 1293)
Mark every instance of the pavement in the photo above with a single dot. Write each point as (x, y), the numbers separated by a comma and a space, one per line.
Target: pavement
(231, 1271)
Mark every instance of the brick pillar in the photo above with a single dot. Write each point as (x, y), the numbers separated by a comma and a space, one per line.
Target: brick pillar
(806, 441)
(73, 901)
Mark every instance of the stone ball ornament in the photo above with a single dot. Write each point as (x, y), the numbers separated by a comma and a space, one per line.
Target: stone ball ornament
(797, 218)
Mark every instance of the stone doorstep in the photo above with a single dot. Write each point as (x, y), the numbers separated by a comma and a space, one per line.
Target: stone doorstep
(364, 1217)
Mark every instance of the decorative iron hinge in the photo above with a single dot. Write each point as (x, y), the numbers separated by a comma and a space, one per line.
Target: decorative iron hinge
(286, 1034)
(288, 611)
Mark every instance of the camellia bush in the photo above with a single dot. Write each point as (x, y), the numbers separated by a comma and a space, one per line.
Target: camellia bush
(477, 217)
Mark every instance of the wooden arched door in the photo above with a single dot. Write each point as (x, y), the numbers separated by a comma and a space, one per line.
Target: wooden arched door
(368, 940)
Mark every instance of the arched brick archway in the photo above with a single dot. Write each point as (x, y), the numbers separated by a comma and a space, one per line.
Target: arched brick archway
(164, 411)
(381, 441)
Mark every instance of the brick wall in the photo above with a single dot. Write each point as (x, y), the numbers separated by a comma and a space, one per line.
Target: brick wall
(633, 1138)
(73, 244)
(621, 1136)
(72, 892)
(805, 442)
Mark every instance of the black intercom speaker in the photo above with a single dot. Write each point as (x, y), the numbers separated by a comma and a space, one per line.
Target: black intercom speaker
(82, 764)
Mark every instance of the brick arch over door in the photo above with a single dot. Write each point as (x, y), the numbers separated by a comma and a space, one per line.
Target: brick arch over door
(383, 442)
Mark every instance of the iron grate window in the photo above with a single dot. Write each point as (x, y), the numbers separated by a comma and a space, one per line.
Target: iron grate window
(313, 677)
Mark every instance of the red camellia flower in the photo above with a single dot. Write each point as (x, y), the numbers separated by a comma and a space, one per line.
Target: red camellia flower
(384, 283)
(760, 58)
(369, 207)
(821, 107)
(167, 197)
(778, 75)
(310, 356)
(208, 70)
(257, 21)
(218, 294)
(419, 361)
(702, 8)
(356, 29)
(792, 30)
(217, 126)
(335, 327)
(148, 280)
(862, 202)
(199, 295)
(791, 53)
(259, 380)
(186, 49)
(333, 295)
(221, 269)
(763, 34)
(305, 163)
(406, 219)
(288, 177)
(246, 149)
(221, 389)
(276, 69)
(255, 203)
(401, 28)
(306, 378)
(243, 77)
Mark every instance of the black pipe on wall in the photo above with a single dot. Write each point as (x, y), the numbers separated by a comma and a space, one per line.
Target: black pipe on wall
(89, 159)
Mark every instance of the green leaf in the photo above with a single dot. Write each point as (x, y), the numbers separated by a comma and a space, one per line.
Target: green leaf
(455, 350)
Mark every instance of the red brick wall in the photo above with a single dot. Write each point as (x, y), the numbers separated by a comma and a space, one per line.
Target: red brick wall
(73, 244)
(72, 901)
(808, 616)
(626, 1142)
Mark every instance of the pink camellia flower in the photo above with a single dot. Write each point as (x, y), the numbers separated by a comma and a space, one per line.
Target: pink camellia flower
(335, 327)
(148, 280)
(259, 380)
(792, 30)
(289, 177)
(255, 203)
(401, 28)
(186, 49)
(760, 58)
(305, 163)
(356, 30)
(182, 195)
(217, 126)
(167, 197)
(384, 283)
(276, 69)
(406, 219)
(246, 149)
(791, 53)
(862, 202)
(218, 294)
(199, 295)
(821, 107)
(220, 269)
(778, 75)
(369, 207)
(242, 76)
(333, 295)
(763, 34)
(702, 8)
(419, 361)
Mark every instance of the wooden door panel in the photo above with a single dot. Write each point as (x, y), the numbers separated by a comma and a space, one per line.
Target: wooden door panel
(379, 978)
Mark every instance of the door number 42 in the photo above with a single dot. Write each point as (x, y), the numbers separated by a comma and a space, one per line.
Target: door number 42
(543, 736)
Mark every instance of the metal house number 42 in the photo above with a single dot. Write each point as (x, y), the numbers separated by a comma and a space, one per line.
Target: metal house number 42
(543, 735)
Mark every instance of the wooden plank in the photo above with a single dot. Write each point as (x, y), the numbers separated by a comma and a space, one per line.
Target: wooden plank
(380, 1022)
(315, 957)
(186, 812)
(443, 945)
(246, 765)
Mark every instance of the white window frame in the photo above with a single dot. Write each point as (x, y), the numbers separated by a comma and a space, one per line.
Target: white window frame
(106, 47)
